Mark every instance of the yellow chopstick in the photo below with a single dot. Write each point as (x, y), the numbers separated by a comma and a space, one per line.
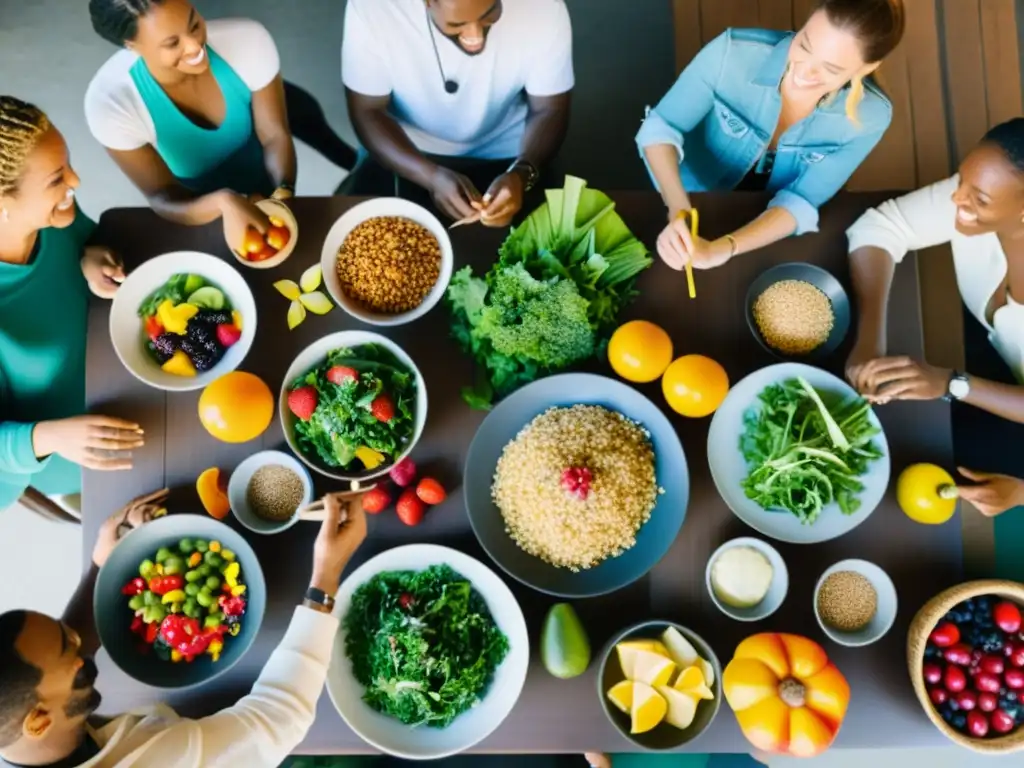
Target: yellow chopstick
(694, 222)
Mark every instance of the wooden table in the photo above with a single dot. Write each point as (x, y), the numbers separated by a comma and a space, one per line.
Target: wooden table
(552, 716)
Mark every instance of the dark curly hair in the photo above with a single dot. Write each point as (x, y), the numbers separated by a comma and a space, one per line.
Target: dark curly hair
(1009, 137)
(18, 679)
(117, 21)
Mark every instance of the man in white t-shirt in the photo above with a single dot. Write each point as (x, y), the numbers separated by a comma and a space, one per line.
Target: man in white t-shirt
(452, 94)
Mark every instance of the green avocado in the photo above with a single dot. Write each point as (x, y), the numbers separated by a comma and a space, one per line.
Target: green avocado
(207, 297)
(564, 646)
(192, 284)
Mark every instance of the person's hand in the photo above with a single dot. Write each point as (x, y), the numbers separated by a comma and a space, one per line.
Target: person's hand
(502, 201)
(239, 214)
(92, 441)
(454, 194)
(103, 271)
(677, 246)
(902, 378)
(993, 494)
(132, 515)
(863, 353)
(597, 760)
(341, 533)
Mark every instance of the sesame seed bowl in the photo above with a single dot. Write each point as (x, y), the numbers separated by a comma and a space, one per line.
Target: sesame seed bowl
(576, 485)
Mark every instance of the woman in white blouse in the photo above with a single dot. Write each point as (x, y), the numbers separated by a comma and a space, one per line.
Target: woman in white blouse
(980, 213)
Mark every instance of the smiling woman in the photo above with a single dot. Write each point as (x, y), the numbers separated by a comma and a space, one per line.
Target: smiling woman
(192, 111)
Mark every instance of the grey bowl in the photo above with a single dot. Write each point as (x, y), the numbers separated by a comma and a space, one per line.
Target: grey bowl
(506, 420)
(821, 279)
(113, 617)
(663, 736)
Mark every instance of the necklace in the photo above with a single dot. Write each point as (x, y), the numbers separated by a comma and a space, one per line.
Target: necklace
(450, 86)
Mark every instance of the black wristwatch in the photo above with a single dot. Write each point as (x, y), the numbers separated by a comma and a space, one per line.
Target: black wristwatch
(531, 174)
(318, 598)
(958, 388)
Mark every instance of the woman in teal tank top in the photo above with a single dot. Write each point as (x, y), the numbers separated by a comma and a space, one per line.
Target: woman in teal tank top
(46, 272)
(197, 121)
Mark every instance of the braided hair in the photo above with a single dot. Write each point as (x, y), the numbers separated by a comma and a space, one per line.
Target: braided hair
(117, 21)
(21, 126)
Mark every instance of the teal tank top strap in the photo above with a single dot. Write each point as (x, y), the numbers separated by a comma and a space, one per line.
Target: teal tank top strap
(206, 159)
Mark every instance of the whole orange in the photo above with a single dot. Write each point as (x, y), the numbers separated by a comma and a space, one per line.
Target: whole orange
(639, 351)
(695, 385)
(236, 407)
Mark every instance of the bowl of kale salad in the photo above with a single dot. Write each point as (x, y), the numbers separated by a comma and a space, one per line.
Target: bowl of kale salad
(431, 654)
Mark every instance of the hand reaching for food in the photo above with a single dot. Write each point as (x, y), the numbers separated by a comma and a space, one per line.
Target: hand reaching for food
(993, 494)
(132, 515)
(341, 533)
(92, 441)
(103, 271)
(244, 223)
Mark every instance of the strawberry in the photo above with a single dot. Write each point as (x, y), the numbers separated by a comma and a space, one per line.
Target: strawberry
(228, 334)
(430, 491)
(376, 500)
(153, 327)
(302, 402)
(383, 408)
(403, 473)
(339, 374)
(410, 509)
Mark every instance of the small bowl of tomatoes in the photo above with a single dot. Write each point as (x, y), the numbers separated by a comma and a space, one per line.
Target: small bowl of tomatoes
(264, 251)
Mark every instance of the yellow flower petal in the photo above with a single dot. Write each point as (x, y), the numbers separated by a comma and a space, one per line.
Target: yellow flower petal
(296, 314)
(311, 279)
(288, 289)
(316, 302)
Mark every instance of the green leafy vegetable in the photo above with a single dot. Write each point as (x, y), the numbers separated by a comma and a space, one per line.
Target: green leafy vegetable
(805, 451)
(343, 421)
(554, 295)
(423, 643)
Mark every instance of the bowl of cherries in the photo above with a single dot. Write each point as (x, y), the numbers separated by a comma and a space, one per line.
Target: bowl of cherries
(965, 651)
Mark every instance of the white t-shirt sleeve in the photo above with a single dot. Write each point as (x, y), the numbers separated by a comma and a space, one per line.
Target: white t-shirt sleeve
(114, 111)
(551, 72)
(248, 48)
(363, 68)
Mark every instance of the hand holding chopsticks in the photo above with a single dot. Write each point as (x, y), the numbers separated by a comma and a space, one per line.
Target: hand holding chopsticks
(694, 224)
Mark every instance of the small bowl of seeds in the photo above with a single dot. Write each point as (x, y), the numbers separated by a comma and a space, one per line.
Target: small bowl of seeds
(267, 490)
(855, 602)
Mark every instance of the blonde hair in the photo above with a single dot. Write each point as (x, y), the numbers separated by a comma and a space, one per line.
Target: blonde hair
(853, 98)
(21, 126)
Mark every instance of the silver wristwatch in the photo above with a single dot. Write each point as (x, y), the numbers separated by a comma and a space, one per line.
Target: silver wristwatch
(959, 386)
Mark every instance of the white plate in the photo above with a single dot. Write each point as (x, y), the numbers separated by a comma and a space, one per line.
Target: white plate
(126, 329)
(386, 733)
(384, 206)
(729, 469)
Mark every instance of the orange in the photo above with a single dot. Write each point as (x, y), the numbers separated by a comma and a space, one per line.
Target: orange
(695, 386)
(639, 351)
(237, 407)
(211, 486)
(278, 237)
(253, 242)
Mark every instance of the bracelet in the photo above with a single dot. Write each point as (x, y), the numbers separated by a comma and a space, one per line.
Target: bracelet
(733, 245)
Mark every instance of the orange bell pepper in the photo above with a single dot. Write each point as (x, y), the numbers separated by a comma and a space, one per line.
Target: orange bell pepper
(787, 696)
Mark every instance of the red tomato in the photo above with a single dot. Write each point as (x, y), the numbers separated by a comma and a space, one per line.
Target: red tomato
(278, 237)
(253, 241)
(945, 635)
(266, 252)
(955, 680)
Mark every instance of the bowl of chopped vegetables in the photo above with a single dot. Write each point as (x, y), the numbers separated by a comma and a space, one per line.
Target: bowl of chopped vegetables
(432, 652)
(352, 405)
(797, 454)
(181, 320)
(179, 601)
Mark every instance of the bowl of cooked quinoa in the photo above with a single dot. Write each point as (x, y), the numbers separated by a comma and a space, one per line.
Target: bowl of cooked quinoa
(576, 485)
(267, 490)
(798, 311)
(387, 261)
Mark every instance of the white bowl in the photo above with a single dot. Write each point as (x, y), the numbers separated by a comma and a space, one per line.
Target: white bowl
(128, 334)
(238, 487)
(885, 610)
(388, 734)
(777, 590)
(278, 210)
(315, 354)
(729, 468)
(384, 206)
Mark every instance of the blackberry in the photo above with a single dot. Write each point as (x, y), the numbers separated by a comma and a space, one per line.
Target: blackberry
(983, 604)
(204, 361)
(932, 652)
(946, 711)
(200, 332)
(166, 344)
(215, 316)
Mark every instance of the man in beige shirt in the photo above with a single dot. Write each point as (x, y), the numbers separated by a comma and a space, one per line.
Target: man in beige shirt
(47, 694)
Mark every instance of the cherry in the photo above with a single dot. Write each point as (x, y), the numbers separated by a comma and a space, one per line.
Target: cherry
(1014, 679)
(1007, 616)
(938, 695)
(977, 725)
(945, 635)
(987, 702)
(955, 680)
(1017, 657)
(959, 654)
(987, 682)
(993, 665)
(967, 700)
(1001, 721)
(932, 673)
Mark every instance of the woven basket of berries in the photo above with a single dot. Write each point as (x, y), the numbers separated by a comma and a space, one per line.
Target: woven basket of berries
(965, 653)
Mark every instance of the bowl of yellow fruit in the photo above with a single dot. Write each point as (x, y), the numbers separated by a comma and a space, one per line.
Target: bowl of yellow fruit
(659, 684)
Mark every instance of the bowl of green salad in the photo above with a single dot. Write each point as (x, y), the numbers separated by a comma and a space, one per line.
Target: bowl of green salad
(353, 404)
(431, 653)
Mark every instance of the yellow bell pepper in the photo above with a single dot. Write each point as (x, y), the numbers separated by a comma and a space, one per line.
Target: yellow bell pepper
(174, 596)
(176, 655)
(238, 590)
(179, 364)
(195, 559)
(231, 574)
(228, 555)
(215, 546)
(173, 318)
(214, 649)
(371, 459)
(235, 629)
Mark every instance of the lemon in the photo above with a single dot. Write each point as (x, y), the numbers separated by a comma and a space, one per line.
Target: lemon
(621, 695)
(288, 288)
(682, 709)
(708, 670)
(691, 682)
(680, 650)
(316, 302)
(648, 709)
(653, 669)
(311, 278)
(296, 314)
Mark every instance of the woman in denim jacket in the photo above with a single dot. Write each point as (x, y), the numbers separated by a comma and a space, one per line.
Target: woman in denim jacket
(790, 113)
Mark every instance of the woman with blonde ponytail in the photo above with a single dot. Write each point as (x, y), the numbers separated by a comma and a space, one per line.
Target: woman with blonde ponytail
(792, 113)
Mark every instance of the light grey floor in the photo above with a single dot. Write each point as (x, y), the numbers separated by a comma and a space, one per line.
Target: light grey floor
(48, 53)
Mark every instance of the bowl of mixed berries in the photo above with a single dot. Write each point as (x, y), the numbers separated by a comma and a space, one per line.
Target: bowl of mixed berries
(965, 651)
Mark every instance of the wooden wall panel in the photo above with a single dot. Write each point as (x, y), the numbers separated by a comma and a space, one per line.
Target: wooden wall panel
(686, 19)
(926, 92)
(718, 15)
(775, 14)
(965, 73)
(1002, 60)
(802, 10)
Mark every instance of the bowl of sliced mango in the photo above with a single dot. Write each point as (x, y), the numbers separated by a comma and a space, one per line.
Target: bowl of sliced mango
(659, 684)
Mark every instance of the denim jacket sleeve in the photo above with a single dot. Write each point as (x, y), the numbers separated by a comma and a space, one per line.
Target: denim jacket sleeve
(820, 180)
(688, 101)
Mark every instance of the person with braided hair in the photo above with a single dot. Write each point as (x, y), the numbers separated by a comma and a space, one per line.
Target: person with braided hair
(193, 112)
(47, 268)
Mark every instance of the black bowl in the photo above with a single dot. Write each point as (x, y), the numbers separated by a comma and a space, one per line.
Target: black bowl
(820, 279)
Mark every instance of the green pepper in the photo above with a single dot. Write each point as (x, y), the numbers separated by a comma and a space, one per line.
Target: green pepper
(187, 546)
(213, 583)
(202, 545)
(146, 569)
(173, 565)
(213, 560)
(137, 603)
(211, 622)
(205, 599)
(193, 575)
(162, 554)
(149, 598)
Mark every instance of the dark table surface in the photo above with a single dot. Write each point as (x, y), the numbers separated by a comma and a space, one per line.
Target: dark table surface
(551, 715)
